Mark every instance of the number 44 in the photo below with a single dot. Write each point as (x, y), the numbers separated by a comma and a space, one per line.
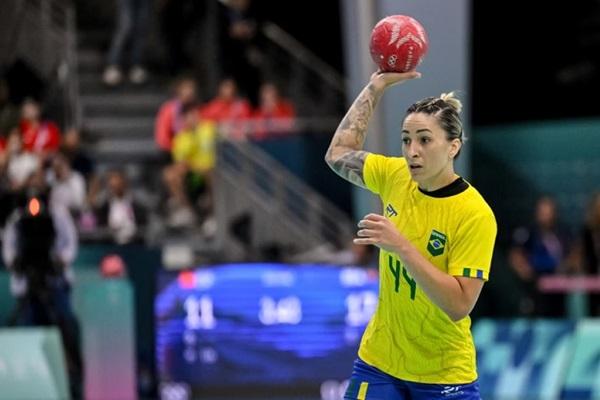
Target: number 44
(398, 269)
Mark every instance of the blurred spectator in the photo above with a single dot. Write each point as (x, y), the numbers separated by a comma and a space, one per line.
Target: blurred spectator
(189, 178)
(590, 246)
(179, 19)
(39, 136)
(20, 164)
(117, 209)
(274, 115)
(131, 26)
(240, 44)
(169, 120)
(67, 185)
(38, 247)
(539, 250)
(229, 110)
(77, 157)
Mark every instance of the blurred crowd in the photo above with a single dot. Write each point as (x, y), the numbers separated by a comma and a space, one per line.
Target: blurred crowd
(544, 247)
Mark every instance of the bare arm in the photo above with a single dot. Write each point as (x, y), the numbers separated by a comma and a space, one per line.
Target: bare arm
(455, 295)
(345, 154)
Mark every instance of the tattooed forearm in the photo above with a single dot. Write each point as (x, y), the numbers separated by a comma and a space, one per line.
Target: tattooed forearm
(344, 155)
(350, 166)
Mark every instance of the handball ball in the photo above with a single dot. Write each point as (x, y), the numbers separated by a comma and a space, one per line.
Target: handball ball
(398, 43)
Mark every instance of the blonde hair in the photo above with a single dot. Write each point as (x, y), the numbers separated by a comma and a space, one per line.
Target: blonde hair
(452, 101)
(446, 110)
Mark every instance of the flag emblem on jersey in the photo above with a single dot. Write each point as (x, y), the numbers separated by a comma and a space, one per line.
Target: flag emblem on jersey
(390, 211)
(437, 243)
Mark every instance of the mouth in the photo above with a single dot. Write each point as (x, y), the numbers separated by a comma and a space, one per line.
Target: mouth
(415, 168)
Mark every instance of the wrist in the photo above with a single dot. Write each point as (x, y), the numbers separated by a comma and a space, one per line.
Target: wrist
(376, 86)
(402, 246)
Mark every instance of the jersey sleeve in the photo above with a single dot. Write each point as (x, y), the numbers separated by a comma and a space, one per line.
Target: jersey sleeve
(375, 172)
(471, 254)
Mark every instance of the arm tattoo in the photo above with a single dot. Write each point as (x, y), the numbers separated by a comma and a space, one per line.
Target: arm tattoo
(345, 155)
(350, 167)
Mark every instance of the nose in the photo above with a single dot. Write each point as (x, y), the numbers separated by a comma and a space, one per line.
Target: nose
(412, 150)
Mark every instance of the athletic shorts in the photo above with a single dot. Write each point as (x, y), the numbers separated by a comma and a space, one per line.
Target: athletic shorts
(369, 383)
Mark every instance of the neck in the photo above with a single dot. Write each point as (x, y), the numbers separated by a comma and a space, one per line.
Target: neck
(443, 178)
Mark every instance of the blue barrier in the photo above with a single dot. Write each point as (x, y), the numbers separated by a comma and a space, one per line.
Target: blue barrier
(538, 359)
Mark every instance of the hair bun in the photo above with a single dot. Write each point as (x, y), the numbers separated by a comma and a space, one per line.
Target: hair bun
(452, 101)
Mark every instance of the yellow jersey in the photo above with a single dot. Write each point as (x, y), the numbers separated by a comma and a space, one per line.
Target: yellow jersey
(409, 337)
(196, 147)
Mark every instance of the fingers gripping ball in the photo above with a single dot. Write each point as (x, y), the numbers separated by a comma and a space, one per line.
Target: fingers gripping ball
(398, 43)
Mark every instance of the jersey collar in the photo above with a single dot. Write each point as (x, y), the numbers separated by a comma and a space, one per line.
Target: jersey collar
(459, 185)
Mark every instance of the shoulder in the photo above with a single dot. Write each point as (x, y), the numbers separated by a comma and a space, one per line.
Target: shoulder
(389, 164)
(475, 204)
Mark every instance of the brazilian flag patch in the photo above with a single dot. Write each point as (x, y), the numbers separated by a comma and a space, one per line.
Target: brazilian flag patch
(437, 243)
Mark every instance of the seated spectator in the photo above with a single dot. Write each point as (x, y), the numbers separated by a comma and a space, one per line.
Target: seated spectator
(169, 120)
(590, 248)
(118, 210)
(275, 115)
(189, 178)
(39, 136)
(67, 186)
(77, 157)
(229, 110)
(539, 250)
(20, 164)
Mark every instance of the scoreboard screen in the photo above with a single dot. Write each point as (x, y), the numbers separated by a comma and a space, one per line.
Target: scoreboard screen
(261, 329)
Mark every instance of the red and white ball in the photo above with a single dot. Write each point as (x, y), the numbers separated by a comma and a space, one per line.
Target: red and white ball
(398, 43)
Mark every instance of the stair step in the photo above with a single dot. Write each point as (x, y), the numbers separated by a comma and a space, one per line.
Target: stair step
(94, 39)
(134, 105)
(130, 149)
(120, 127)
(91, 83)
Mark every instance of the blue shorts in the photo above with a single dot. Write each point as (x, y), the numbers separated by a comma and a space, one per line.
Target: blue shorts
(369, 383)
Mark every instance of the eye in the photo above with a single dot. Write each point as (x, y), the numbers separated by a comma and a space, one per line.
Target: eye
(405, 140)
(425, 140)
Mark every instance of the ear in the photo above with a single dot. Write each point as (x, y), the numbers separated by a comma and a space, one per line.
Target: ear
(455, 146)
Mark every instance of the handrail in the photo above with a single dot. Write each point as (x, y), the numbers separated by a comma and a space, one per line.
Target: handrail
(296, 206)
(310, 60)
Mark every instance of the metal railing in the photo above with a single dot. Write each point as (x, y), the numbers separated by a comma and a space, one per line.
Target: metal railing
(42, 33)
(307, 58)
(316, 87)
(282, 208)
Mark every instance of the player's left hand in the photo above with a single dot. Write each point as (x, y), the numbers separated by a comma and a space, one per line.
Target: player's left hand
(377, 230)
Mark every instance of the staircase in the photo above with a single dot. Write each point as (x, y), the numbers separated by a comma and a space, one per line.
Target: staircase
(118, 122)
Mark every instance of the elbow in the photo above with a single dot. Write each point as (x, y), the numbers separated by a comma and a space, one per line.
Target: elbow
(329, 159)
(459, 312)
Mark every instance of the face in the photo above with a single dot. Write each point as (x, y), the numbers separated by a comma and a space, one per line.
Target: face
(186, 91)
(268, 96)
(71, 139)
(428, 152)
(31, 111)
(116, 184)
(546, 212)
(190, 119)
(61, 168)
(227, 89)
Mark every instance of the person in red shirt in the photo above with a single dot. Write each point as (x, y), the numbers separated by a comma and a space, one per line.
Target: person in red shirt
(169, 120)
(274, 115)
(231, 111)
(39, 136)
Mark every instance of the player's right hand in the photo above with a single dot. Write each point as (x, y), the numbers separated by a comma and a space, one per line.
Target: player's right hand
(384, 80)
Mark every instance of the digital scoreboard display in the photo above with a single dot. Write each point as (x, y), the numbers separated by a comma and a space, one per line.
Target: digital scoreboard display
(261, 329)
